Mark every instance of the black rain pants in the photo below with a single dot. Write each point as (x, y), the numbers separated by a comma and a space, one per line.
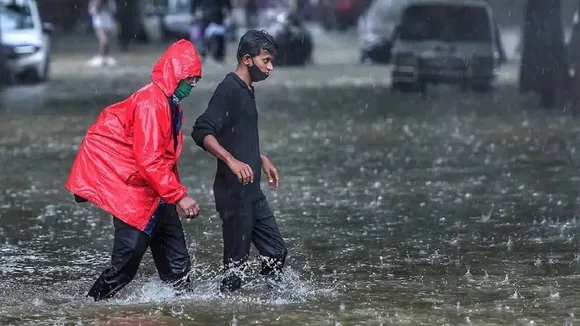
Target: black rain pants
(252, 223)
(168, 247)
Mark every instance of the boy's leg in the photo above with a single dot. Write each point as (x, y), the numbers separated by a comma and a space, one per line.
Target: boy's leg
(169, 248)
(267, 238)
(237, 235)
(128, 248)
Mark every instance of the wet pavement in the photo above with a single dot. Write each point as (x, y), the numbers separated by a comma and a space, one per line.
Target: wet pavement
(455, 209)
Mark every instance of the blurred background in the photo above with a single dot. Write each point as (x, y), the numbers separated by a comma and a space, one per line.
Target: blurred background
(34, 34)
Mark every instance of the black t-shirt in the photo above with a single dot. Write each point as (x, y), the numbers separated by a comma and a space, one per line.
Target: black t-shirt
(232, 117)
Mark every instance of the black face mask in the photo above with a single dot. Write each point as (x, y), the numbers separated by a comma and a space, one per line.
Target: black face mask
(256, 74)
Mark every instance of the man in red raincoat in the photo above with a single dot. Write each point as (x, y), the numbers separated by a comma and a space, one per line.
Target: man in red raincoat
(127, 166)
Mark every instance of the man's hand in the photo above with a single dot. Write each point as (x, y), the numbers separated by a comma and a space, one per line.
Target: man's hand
(243, 171)
(271, 173)
(188, 208)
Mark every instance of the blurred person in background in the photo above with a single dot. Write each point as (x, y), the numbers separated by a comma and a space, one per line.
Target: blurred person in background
(127, 166)
(103, 17)
(251, 13)
(128, 14)
(210, 11)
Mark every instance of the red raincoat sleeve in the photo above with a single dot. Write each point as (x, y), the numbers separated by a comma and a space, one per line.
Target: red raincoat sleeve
(151, 136)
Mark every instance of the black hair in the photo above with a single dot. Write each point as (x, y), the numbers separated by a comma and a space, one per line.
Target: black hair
(254, 41)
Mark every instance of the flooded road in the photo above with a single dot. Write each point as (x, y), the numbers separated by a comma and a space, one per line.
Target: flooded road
(456, 209)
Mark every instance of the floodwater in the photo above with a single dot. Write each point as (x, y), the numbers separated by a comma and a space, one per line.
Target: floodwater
(455, 209)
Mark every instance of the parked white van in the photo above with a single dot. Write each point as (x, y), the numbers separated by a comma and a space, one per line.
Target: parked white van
(25, 40)
(446, 41)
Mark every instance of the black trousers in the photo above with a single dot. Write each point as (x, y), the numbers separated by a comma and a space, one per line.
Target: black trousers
(252, 223)
(167, 243)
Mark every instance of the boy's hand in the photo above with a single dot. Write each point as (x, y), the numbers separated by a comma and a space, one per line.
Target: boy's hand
(271, 173)
(242, 170)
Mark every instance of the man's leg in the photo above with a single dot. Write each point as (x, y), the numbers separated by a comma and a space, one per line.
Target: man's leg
(237, 235)
(267, 239)
(128, 249)
(169, 248)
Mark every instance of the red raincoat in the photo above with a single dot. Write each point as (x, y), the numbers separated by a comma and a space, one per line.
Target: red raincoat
(127, 161)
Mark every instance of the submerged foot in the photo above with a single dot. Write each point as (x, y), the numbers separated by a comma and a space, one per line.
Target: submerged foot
(274, 282)
(183, 286)
(231, 283)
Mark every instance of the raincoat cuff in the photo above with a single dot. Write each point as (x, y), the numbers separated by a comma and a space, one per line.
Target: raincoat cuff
(180, 197)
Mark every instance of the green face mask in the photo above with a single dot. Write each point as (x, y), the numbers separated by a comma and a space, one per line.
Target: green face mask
(183, 89)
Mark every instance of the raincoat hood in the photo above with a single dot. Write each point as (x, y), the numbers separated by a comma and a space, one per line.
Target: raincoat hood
(179, 62)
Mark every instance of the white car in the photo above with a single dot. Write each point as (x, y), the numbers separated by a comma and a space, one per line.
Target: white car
(25, 39)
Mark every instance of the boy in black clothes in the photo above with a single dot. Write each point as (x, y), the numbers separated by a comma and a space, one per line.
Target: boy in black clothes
(228, 129)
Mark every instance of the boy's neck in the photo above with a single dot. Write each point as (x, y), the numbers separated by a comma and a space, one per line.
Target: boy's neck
(242, 72)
